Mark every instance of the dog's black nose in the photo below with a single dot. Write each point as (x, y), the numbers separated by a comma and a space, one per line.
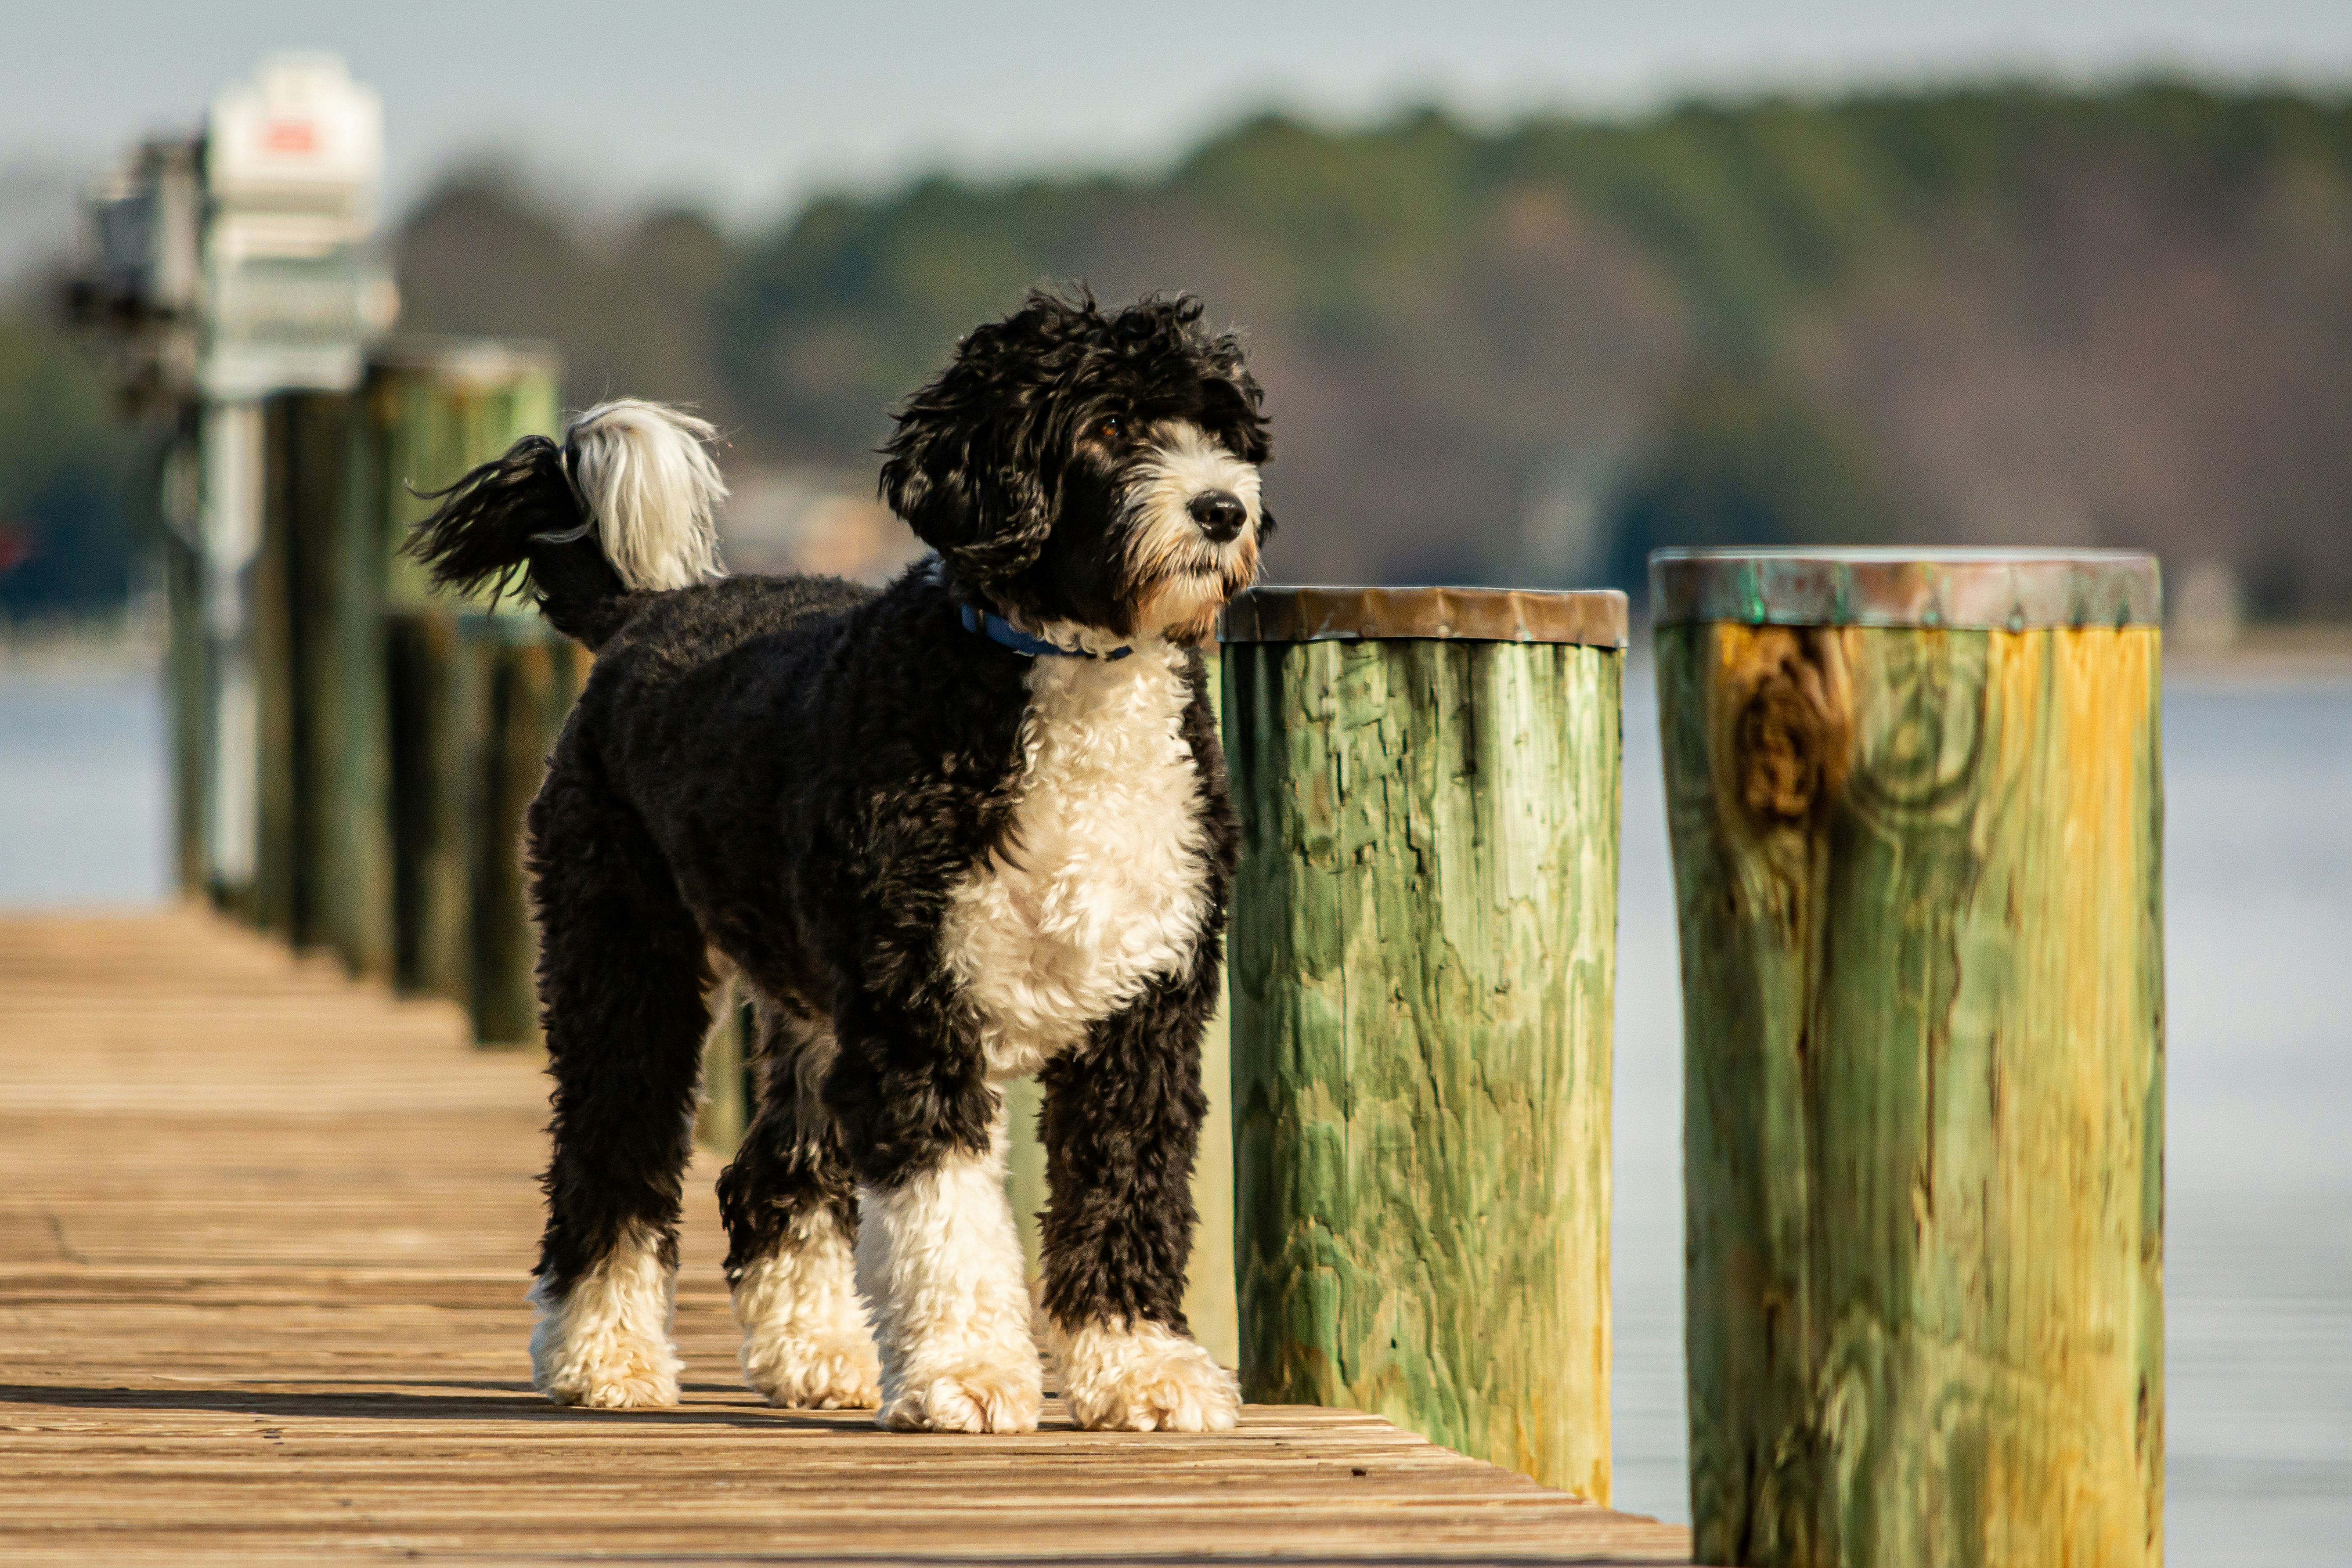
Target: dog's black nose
(1219, 514)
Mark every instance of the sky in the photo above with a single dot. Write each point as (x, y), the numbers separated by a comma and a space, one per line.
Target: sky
(750, 108)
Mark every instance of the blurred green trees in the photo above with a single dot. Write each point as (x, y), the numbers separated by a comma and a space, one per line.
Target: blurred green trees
(2000, 315)
(68, 499)
(1745, 462)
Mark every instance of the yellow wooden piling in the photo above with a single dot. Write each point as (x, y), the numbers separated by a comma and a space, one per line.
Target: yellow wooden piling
(1916, 811)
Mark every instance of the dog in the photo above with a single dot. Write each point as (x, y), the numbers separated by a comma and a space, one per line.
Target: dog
(966, 827)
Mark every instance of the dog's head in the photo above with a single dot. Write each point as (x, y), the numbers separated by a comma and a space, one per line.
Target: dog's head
(1098, 468)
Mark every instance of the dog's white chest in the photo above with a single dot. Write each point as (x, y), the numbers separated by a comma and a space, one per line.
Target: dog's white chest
(1107, 883)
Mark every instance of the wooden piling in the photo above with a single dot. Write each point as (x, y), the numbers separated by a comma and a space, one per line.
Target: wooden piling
(396, 737)
(478, 690)
(276, 626)
(346, 694)
(324, 853)
(439, 725)
(1916, 808)
(534, 677)
(1423, 972)
(186, 683)
(728, 1093)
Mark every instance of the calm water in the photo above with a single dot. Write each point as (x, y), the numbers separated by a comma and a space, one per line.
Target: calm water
(84, 801)
(2259, 897)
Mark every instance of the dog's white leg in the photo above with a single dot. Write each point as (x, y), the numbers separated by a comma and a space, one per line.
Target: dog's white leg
(939, 1256)
(605, 1341)
(1143, 1377)
(805, 1342)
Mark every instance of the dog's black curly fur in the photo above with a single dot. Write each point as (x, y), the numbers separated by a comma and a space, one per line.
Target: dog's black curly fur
(520, 512)
(796, 772)
(988, 468)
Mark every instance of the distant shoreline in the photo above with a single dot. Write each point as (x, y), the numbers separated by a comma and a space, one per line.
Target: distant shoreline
(133, 644)
(130, 643)
(2319, 651)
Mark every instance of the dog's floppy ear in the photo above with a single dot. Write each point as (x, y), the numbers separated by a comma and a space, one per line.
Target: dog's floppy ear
(962, 467)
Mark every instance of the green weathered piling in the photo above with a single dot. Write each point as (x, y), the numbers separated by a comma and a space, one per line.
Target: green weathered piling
(436, 408)
(346, 687)
(186, 683)
(478, 692)
(324, 854)
(1915, 809)
(477, 702)
(727, 1091)
(276, 624)
(534, 677)
(1423, 975)
(440, 726)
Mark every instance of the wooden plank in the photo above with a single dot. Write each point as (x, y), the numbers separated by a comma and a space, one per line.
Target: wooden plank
(265, 1304)
(1917, 872)
(1424, 965)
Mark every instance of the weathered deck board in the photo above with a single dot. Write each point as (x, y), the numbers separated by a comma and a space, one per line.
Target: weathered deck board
(263, 1239)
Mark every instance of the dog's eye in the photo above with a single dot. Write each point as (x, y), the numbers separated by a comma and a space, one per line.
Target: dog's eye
(1109, 427)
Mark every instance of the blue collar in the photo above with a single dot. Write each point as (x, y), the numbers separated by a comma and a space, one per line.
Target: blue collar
(997, 629)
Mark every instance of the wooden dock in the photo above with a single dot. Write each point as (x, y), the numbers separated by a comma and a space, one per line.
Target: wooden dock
(264, 1235)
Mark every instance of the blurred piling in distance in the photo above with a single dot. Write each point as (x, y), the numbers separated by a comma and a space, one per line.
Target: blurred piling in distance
(399, 736)
(479, 690)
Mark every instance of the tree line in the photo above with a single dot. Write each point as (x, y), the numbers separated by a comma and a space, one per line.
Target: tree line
(2008, 314)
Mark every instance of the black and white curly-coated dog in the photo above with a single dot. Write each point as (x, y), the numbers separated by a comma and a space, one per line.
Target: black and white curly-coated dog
(969, 827)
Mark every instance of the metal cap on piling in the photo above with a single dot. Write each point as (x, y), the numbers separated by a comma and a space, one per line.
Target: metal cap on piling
(1586, 617)
(1962, 589)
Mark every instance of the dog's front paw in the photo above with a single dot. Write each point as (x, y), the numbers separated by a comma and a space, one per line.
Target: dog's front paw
(627, 1381)
(607, 1371)
(1144, 1378)
(603, 1343)
(979, 1398)
(801, 1373)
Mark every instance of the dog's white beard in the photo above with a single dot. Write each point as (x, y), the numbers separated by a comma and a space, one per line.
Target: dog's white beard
(1143, 1377)
(805, 1342)
(1192, 574)
(606, 1342)
(939, 1257)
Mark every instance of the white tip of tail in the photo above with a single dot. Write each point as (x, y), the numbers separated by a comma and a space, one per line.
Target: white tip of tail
(646, 474)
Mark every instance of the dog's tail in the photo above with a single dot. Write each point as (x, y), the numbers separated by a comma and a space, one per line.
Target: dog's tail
(626, 505)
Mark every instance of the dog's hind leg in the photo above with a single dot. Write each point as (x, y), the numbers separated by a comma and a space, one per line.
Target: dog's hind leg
(791, 1205)
(624, 985)
(1121, 1122)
